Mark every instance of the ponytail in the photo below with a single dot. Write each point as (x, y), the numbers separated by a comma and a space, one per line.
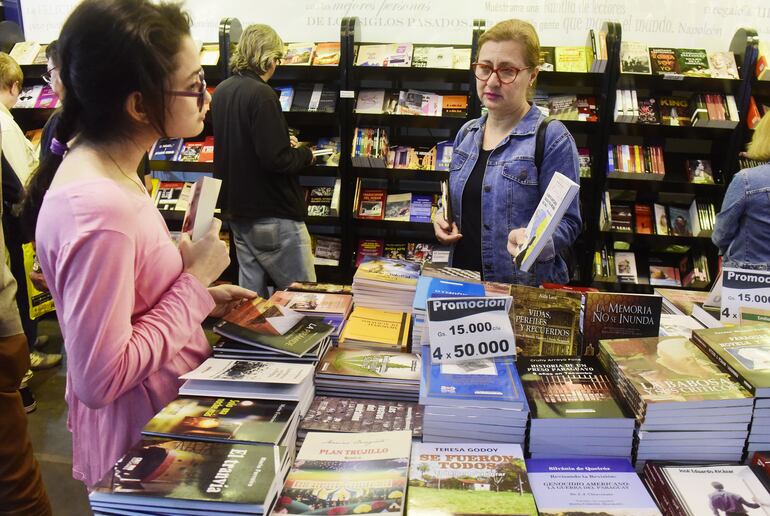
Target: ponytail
(42, 178)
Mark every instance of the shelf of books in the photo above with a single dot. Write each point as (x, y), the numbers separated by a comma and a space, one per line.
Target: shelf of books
(330, 399)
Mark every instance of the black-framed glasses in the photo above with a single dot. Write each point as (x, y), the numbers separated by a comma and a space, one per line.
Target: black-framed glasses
(505, 74)
(47, 76)
(200, 94)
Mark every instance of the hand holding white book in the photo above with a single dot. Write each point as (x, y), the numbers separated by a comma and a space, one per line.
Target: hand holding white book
(200, 210)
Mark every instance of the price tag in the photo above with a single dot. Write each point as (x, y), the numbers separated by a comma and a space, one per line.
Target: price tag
(743, 288)
(469, 328)
(673, 76)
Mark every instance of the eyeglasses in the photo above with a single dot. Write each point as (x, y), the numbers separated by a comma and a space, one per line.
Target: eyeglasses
(505, 75)
(200, 94)
(47, 76)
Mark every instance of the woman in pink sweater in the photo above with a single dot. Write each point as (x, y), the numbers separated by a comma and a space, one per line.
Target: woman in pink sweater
(130, 303)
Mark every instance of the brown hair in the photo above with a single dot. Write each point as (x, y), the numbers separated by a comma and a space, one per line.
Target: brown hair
(10, 71)
(759, 147)
(519, 31)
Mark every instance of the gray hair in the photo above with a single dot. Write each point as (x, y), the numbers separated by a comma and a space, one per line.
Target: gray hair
(260, 46)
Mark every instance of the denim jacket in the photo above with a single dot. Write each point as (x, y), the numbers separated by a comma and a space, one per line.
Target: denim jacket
(742, 229)
(511, 191)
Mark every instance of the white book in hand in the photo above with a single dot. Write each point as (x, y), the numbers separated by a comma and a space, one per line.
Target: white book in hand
(549, 212)
(200, 211)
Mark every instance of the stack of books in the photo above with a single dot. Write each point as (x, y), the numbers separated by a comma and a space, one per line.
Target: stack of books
(360, 373)
(331, 309)
(600, 486)
(687, 408)
(168, 476)
(348, 473)
(227, 420)
(336, 414)
(275, 331)
(385, 284)
(461, 398)
(428, 287)
(698, 490)
(253, 380)
(469, 478)
(575, 411)
(745, 353)
(376, 329)
(234, 350)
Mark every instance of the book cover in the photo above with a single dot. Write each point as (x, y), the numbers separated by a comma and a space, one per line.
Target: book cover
(421, 208)
(327, 250)
(266, 324)
(673, 111)
(375, 326)
(25, 52)
(557, 197)
(475, 383)
(625, 267)
(223, 420)
(398, 54)
(663, 61)
(572, 59)
(370, 101)
(207, 151)
(420, 56)
(661, 219)
(169, 194)
(679, 221)
(332, 414)
(702, 490)
(681, 301)
(663, 275)
(670, 370)
(368, 247)
(348, 473)
(547, 59)
(743, 351)
(210, 54)
(313, 302)
(466, 478)
(327, 54)
(201, 206)
(192, 474)
(319, 202)
(298, 54)
(372, 203)
(699, 171)
(584, 161)
(370, 364)
(634, 58)
(722, 65)
(616, 316)
(643, 218)
(395, 250)
(166, 149)
(389, 271)
(568, 388)
(397, 206)
(454, 105)
(47, 99)
(587, 109)
(440, 57)
(190, 152)
(328, 288)
(424, 252)
(649, 111)
(428, 287)
(217, 369)
(285, 97)
(28, 97)
(692, 62)
(589, 487)
(545, 322)
(461, 58)
(372, 55)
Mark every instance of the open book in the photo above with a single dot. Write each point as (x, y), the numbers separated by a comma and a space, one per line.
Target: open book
(550, 210)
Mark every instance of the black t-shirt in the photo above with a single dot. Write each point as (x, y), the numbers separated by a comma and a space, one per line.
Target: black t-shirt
(467, 254)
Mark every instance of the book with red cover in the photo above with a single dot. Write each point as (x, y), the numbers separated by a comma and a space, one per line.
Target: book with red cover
(643, 214)
(371, 204)
(207, 151)
(368, 247)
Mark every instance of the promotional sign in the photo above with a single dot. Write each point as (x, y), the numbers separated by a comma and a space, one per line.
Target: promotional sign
(743, 288)
(469, 328)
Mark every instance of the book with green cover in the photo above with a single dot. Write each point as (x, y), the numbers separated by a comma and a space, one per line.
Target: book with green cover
(744, 351)
(371, 365)
(465, 479)
(545, 322)
(167, 473)
(348, 473)
(223, 420)
(693, 62)
(661, 371)
(568, 388)
(265, 324)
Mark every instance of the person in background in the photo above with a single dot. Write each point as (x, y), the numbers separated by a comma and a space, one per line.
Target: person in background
(259, 164)
(494, 184)
(743, 225)
(19, 161)
(129, 302)
(22, 492)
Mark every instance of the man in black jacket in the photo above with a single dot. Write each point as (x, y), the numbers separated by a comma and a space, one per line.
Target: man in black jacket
(259, 164)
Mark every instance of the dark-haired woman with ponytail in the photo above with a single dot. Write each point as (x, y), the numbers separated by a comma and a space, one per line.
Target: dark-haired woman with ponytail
(129, 302)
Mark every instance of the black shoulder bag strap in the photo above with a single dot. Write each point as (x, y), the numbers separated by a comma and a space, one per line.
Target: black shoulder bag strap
(567, 253)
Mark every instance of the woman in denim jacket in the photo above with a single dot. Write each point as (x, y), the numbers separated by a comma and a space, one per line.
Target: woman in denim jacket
(742, 229)
(494, 184)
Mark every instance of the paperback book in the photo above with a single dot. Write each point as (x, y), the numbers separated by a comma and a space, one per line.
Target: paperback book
(545, 322)
(465, 478)
(615, 316)
(333, 414)
(370, 365)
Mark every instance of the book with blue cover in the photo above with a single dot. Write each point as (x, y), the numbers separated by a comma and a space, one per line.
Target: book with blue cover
(166, 149)
(493, 383)
(285, 97)
(609, 487)
(421, 208)
(428, 287)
